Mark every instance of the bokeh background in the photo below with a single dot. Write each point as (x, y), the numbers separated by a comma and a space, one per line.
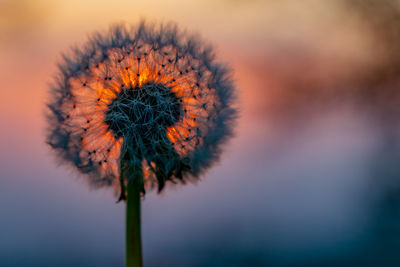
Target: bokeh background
(311, 178)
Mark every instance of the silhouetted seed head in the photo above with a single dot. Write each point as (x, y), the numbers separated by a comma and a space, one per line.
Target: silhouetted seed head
(147, 98)
(143, 111)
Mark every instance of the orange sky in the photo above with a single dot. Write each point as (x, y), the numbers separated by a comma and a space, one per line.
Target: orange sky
(258, 38)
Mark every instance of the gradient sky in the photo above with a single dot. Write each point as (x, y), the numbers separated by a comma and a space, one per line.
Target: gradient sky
(293, 186)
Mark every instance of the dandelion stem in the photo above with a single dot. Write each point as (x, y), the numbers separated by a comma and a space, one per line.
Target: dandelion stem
(133, 229)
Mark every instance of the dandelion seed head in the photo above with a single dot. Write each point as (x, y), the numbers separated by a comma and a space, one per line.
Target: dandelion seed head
(148, 98)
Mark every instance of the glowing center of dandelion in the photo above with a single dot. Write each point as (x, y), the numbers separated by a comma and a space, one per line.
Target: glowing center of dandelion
(144, 111)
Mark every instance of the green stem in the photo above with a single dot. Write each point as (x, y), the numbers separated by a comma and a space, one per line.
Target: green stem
(133, 231)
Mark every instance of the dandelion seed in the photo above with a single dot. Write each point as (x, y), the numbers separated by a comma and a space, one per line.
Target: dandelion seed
(133, 100)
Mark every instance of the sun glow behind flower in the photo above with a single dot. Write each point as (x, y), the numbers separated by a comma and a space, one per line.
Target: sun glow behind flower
(154, 93)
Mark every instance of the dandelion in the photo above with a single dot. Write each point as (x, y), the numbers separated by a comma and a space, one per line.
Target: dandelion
(137, 107)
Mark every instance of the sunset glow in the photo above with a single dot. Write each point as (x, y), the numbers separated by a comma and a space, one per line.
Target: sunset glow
(163, 97)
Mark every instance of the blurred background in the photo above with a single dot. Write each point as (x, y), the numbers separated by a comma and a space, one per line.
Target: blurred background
(311, 178)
